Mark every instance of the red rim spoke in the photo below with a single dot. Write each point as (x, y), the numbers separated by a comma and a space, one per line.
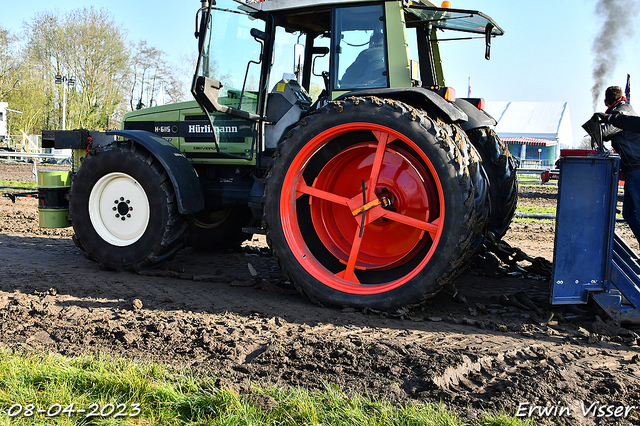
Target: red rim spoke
(347, 274)
(318, 193)
(430, 227)
(383, 139)
(401, 197)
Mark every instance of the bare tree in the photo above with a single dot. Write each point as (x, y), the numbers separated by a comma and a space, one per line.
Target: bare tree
(111, 74)
(88, 45)
(22, 87)
(9, 66)
(585, 142)
(149, 71)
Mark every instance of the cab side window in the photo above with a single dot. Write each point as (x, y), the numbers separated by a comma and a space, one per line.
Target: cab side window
(361, 50)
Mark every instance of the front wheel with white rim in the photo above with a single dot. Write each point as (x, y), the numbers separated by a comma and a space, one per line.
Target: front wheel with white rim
(123, 209)
(119, 209)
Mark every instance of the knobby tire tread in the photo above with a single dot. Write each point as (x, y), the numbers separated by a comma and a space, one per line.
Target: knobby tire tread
(173, 232)
(457, 151)
(501, 170)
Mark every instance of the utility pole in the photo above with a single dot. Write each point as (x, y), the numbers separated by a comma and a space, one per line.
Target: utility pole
(65, 81)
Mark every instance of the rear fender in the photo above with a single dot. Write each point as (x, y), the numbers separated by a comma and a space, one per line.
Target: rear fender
(477, 117)
(415, 96)
(182, 174)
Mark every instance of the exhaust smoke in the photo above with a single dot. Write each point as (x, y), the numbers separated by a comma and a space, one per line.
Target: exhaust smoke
(617, 26)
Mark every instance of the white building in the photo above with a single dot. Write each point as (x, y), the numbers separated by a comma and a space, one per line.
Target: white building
(534, 130)
(3, 120)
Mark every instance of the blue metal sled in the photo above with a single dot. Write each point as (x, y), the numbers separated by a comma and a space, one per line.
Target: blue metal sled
(589, 258)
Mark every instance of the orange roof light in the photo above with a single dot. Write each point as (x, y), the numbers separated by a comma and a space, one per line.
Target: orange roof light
(446, 5)
(450, 94)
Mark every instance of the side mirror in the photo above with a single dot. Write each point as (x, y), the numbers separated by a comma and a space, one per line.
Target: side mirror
(257, 34)
(319, 52)
(487, 39)
(298, 60)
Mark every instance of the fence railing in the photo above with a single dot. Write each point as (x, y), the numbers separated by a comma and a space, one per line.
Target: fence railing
(30, 156)
(23, 143)
(537, 164)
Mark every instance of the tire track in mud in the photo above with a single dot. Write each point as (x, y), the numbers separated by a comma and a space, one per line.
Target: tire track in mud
(208, 312)
(286, 340)
(483, 374)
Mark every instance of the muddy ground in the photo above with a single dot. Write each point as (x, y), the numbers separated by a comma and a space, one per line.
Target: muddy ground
(482, 350)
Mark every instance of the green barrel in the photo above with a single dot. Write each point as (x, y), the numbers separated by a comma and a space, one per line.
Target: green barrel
(53, 205)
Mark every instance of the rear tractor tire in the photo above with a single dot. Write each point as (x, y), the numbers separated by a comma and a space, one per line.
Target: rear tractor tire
(502, 175)
(369, 203)
(123, 209)
(212, 230)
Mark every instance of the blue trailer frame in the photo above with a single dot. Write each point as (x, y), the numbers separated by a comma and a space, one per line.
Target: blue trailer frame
(589, 258)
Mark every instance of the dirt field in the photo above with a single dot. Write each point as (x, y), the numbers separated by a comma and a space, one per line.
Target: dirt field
(480, 350)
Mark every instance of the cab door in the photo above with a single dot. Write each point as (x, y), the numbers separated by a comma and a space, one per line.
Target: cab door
(228, 86)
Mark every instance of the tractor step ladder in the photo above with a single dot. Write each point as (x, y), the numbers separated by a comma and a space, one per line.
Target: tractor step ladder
(622, 300)
(589, 258)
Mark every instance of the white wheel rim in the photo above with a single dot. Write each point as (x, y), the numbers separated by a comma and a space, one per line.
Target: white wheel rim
(119, 209)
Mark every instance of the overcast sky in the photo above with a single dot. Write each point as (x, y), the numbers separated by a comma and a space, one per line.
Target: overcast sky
(545, 55)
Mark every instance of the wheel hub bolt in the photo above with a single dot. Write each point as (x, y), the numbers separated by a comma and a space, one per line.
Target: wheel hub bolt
(122, 208)
(386, 202)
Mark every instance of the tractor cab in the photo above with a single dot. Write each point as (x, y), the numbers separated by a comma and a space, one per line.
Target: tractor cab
(271, 62)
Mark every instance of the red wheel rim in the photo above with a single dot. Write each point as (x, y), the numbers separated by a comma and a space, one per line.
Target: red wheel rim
(402, 205)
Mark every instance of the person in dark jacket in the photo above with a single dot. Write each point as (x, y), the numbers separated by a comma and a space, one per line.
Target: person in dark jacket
(627, 145)
(625, 122)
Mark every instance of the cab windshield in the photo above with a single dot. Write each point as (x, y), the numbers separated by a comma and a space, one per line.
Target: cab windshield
(232, 56)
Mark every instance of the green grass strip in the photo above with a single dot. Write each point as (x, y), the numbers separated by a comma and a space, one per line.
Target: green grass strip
(19, 183)
(531, 220)
(544, 210)
(532, 178)
(537, 185)
(169, 396)
(535, 209)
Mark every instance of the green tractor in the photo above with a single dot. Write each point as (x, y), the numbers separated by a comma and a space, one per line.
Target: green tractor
(325, 125)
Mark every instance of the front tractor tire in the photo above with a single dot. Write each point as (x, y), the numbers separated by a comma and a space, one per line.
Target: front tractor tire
(369, 203)
(123, 209)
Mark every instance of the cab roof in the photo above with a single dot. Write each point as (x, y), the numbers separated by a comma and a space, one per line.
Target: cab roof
(417, 13)
(280, 5)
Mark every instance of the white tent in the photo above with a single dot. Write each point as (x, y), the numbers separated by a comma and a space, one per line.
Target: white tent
(533, 130)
